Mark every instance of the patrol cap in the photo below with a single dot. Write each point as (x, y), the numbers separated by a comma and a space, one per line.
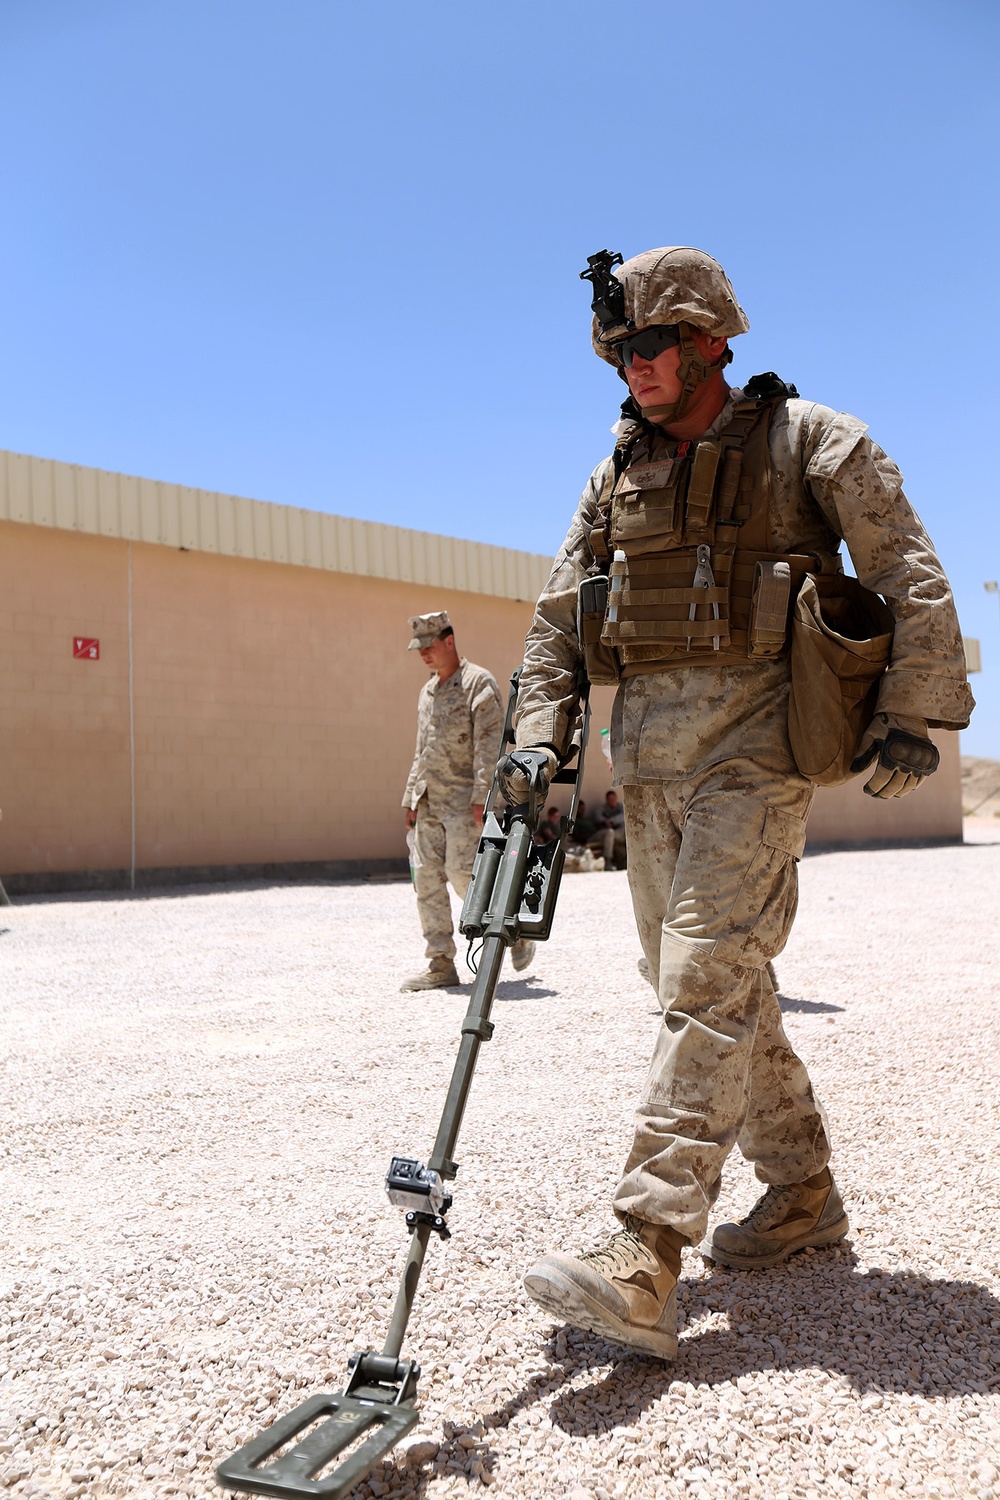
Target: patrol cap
(427, 629)
(674, 284)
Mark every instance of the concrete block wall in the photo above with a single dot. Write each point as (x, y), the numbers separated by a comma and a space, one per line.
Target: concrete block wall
(272, 712)
(273, 706)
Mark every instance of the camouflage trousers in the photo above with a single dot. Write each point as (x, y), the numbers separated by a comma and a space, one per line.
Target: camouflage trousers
(712, 870)
(444, 848)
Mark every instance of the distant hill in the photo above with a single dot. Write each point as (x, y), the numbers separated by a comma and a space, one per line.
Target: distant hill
(980, 786)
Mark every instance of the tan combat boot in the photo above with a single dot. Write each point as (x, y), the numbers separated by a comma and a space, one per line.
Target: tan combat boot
(521, 953)
(626, 1291)
(440, 974)
(784, 1220)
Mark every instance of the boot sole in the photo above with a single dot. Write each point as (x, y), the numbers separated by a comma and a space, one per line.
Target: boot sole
(559, 1296)
(819, 1239)
(416, 989)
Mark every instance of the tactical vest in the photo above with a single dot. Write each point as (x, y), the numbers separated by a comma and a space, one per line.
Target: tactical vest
(694, 579)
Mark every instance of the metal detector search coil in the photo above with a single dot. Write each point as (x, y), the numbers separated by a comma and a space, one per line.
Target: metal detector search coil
(412, 1185)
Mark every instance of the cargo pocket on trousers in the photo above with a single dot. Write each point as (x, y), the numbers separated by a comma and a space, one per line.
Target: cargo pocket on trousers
(764, 910)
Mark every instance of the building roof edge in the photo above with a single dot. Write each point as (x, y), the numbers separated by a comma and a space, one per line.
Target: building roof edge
(100, 502)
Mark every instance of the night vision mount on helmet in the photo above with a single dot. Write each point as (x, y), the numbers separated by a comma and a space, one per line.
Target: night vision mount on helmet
(608, 305)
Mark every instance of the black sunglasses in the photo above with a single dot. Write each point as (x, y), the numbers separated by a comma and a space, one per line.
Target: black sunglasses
(649, 343)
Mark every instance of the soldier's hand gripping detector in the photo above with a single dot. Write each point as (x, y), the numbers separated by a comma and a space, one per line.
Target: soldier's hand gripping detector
(327, 1445)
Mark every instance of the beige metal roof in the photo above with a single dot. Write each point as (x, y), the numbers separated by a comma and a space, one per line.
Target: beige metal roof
(42, 492)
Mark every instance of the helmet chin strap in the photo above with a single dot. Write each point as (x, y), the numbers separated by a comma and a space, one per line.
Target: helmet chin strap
(692, 371)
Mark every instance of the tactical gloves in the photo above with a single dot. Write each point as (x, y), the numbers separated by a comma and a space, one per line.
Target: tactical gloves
(515, 773)
(902, 752)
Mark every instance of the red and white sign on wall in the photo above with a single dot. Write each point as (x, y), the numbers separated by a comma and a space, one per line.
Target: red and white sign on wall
(86, 648)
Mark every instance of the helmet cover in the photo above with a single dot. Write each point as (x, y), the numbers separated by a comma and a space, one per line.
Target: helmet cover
(674, 284)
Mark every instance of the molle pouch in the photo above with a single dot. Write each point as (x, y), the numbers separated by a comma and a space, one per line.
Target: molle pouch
(673, 598)
(769, 605)
(645, 502)
(841, 645)
(602, 663)
(701, 488)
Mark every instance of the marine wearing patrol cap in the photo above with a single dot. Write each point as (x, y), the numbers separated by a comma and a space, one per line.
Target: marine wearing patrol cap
(427, 629)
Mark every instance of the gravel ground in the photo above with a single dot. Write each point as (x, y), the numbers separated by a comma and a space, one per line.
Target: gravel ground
(202, 1092)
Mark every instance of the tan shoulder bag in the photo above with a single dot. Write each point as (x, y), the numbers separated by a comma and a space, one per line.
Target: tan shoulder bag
(841, 645)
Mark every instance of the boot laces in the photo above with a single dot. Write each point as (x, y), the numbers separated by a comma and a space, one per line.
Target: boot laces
(775, 1197)
(619, 1254)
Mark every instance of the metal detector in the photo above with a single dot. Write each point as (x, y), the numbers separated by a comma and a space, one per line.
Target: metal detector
(512, 894)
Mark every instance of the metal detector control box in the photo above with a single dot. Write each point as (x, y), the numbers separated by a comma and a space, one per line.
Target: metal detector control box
(412, 1185)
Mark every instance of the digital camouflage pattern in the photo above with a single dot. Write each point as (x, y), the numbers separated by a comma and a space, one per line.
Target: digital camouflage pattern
(444, 847)
(674, 284)
(713, 874)
(828, 481)
(459, 722)
(426, 629)
(458, 733)
(716, 810)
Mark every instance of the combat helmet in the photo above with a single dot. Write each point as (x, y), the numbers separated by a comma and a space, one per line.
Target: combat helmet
(674, 285)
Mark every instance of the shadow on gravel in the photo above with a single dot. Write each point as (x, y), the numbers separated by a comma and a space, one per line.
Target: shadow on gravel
(806, 1007)
(884, 1331)
(510, 989)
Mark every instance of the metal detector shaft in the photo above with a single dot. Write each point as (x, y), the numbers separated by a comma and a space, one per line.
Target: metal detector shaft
(511, 895)
(476, 1028)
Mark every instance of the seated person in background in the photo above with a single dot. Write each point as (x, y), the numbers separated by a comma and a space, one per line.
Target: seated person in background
(609, 839)
(585, 826)
(548, 828)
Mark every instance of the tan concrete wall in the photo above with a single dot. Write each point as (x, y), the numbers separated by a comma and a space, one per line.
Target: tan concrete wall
(64, 739)
(274, 710)
(274, 705)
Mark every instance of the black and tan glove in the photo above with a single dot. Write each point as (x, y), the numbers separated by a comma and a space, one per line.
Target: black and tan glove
(902, 753)
(515, 782)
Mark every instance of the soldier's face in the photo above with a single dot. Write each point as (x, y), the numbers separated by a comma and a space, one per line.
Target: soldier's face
(439, 654)
(655, 382)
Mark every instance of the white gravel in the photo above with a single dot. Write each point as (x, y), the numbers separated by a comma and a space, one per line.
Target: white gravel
(202, 1092)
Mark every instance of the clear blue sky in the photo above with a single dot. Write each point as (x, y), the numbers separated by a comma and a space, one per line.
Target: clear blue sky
(327, 254)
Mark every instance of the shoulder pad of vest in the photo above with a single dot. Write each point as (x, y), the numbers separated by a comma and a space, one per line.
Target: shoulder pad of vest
(629, 427)
(627, 438)
(769, 387)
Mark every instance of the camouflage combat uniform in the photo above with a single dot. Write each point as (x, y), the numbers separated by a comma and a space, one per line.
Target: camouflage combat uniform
(716, 812)
(458, 732)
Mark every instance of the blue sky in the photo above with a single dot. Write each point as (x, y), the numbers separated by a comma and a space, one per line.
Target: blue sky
(327, 255)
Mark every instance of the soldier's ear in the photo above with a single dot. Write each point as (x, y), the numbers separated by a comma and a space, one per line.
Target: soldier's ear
(715, 348)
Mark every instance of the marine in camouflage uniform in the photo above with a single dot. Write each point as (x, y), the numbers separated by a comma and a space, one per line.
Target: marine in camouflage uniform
(459, 721)
(715, 805)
